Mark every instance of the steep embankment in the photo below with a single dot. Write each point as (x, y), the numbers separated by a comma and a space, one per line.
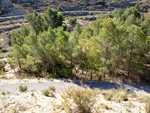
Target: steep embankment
(7, 9)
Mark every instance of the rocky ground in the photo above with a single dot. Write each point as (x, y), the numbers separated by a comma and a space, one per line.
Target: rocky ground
(28, 103)
(33, 101)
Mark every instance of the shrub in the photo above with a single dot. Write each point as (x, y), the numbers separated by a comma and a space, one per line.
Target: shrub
(115, 94)
(22, 88)
(32, 94)
(147, 108)
(49, 92)
(144, 98)
(72, 21)
(52, 88)
(2, 64)
(38, 78)
(52, 94)
(90, 13)
(26, 4)
(59, 8)
(5, 92)
(83, 99)
(45, 92)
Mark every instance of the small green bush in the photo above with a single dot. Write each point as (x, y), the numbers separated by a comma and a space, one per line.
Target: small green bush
(2, 64)
(59, 8)
(22, 88)
(49, 92)
(72, 21)
(90, 13)
(45, 92)
(32, 94)
(5, 92)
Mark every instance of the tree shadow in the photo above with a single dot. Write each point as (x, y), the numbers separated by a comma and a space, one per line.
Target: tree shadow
(109, 85)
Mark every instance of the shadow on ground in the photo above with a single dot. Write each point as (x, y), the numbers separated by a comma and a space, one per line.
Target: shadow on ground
(109, 85)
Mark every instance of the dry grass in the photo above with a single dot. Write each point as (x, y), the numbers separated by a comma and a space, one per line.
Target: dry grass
(49, 92)
(5, 92)
(76, 99)
(115, 95)
(147, 107)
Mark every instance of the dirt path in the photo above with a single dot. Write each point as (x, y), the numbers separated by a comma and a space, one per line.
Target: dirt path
(59, 85)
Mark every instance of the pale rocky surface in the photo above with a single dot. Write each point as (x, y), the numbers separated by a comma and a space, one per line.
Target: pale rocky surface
(25, 103)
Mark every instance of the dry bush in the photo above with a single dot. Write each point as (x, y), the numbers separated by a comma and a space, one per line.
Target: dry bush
(78, 100)
(5, 92)
(144, 98)
(52, 88)
(147, 107)
(115, 94)
(45, 92)
(49, 92)
(22, 88)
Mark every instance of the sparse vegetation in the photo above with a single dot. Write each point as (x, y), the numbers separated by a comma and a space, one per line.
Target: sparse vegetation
(45, 92)
(2, 65)
(147, 108)
(90, 13)
(84, 99)
(23, 88)
(49, 92)
(5, 92)
(32, 94)
(52, 88)
(72, 21)
(115, 95)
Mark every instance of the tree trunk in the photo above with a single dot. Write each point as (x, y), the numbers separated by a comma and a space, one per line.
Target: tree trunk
(130, 60)
(19, 64)
(71, 69)
(91, 76)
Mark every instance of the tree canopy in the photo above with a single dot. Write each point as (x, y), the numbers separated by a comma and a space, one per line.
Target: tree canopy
(116, 43)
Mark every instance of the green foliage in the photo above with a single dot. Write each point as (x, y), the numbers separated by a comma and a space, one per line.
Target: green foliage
(117, 13)
(5, 92)
(22, 88)
(59, 8)
(52, 18)
(2, 64)
(45, 92)
(32, 94)
(116, 43)
(35, 20)
(72, 21)
(132, 11)
(90, 13)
